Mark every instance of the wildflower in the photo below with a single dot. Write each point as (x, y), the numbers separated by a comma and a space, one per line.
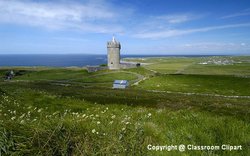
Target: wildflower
(127, 123)
(97, 132)
(123, 129)
(93, 130)
(22, 121)
(22, 116)
(111, 122)
(98, 122)
(113, 117)
(96, 115)
(83, 115)
(39, 110)
(13, 118)
(55, 113)
(107, 108)
(149, 114)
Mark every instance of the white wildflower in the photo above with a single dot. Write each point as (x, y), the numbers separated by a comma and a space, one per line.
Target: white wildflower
(93, 130)
(149, 114)
(22, 116)
(55, 113)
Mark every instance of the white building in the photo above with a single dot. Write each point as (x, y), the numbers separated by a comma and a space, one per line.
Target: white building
(120, 84)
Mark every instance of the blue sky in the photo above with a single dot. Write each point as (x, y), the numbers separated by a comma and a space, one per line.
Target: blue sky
(166, 27)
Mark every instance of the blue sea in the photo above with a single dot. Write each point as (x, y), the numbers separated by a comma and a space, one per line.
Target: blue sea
(62, 60)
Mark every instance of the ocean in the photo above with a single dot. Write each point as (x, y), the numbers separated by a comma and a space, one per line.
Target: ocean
(63, 60)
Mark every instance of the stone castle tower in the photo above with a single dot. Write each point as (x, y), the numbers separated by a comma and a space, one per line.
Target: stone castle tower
(113, 48)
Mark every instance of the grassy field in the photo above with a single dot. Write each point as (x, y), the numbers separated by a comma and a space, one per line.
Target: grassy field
(216, 65)
(59, 111)
(207, 84)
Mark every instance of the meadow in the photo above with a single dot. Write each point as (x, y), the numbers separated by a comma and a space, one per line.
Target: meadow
(68, 111)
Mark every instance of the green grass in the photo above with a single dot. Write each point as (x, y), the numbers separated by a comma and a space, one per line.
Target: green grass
(70, 75)
(171, 65)
(236, 69)
(240, 65)
(140, 70)
(210, 84)
(109, 77)
(53, 74)
(67, 111)
(40, 122)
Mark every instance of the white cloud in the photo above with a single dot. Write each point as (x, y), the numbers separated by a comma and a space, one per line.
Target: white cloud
(243, 44)
(177, 32)
(93, 16)
(196, 48)
(162, 25)
(214, 47)
(239, 14)
(178, 18)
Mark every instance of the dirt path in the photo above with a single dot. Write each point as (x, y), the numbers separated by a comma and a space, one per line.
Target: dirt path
(139, 76)
(71, 81)
(200, 94)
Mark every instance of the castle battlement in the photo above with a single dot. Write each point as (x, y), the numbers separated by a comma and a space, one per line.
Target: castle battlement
(113, 45)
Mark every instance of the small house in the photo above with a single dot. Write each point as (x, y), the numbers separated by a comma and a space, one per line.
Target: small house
(120, 84)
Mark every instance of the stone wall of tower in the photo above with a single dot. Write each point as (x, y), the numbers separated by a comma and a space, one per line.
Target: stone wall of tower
(113, 48)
